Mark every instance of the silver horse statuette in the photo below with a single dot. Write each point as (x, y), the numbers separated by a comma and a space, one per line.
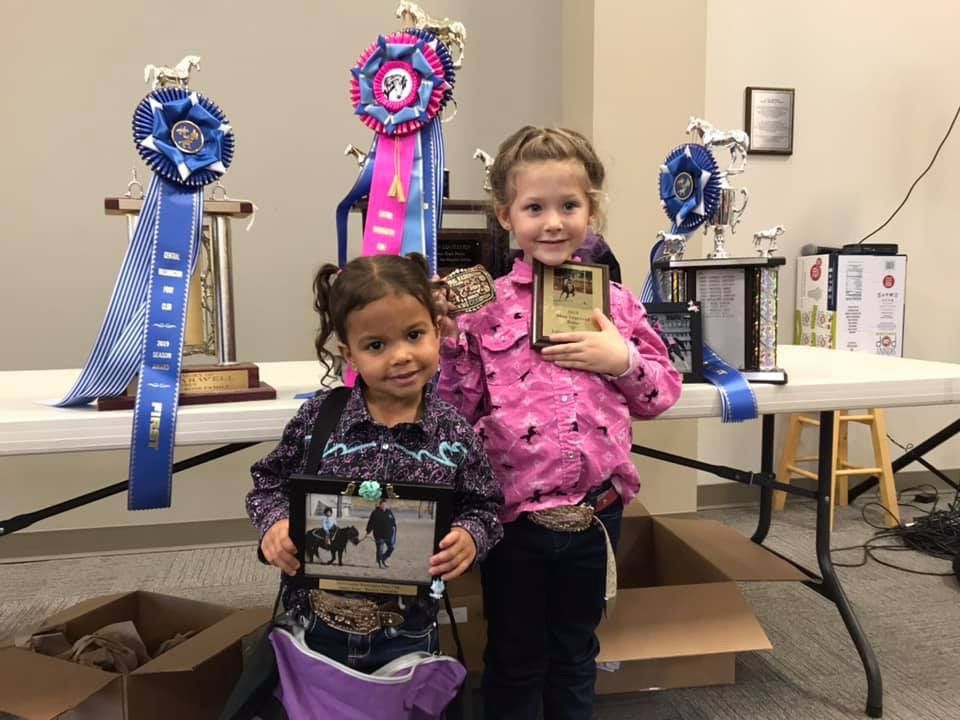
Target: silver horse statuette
(360, 155)
(770, 235)
(487, 160)
(451, 33)
(737, 140)
(176, 76)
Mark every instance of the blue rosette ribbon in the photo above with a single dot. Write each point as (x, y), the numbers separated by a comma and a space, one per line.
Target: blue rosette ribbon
(399, 86)
(690, 184)
(186, 140)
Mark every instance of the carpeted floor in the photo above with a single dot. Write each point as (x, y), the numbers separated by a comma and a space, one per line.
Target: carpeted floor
(813, 672)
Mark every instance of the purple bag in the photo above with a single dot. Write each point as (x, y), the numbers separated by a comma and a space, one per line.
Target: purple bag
(418, 686)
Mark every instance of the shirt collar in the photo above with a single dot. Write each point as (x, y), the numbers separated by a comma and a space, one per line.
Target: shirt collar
(356, 412)
(522, 273)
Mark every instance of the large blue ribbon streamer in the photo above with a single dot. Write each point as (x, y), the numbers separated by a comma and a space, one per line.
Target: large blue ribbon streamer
(179, 218)
(116, 352)
(413, 231)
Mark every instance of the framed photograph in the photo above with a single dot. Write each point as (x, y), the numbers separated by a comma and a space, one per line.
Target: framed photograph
(564, 297)
(354, 544)
(769, 120)
(680, 326)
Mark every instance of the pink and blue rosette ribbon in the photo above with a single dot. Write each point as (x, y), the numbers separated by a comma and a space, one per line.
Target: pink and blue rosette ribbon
(690, 184)
(188, 143)
(398, 88)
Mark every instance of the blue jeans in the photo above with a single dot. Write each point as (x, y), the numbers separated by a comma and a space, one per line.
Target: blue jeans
(369, 652)
(543, 597)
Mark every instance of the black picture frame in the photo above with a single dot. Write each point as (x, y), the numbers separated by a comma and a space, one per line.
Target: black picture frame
(776, 107)
(422, 515)
(556, 307)
(680, 326)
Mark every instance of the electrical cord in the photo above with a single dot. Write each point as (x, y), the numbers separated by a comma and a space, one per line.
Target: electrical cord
(937, 533)
(919, 178)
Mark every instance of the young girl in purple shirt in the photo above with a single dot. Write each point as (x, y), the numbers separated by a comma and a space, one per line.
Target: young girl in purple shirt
(393, 428)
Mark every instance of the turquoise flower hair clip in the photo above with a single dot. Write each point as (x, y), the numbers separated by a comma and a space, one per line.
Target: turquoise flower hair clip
(370, 490)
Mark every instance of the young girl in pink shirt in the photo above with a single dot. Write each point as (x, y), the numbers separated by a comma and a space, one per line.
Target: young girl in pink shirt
(556, 425)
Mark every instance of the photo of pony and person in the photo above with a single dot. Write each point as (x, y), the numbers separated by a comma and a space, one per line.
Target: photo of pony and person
(351, 537)
(573, 287)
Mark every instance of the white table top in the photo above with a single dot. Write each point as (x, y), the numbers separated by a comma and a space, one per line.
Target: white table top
(819, 379)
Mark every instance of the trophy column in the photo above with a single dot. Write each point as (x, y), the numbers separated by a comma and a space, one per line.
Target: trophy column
(222, 267)
(210, 327)
(738, 300)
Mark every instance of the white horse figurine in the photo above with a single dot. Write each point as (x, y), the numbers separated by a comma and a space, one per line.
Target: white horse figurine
(771, 235)
(737, 140)
(176, 76)
(673, 244)
(451, 33)
(487, 160)
(357, 153)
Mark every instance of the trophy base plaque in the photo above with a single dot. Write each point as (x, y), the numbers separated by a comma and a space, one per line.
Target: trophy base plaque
(738, 301)
(204, 384)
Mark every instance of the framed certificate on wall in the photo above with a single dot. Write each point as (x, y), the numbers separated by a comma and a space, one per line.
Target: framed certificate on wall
(769, 120)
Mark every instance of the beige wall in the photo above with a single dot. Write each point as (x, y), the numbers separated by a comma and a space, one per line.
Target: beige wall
(73, 75)
(876, 86)
(640, 112)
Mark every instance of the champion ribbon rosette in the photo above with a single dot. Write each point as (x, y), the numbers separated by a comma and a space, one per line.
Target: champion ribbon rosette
(186, 140)
(399, 87)
(690, 185)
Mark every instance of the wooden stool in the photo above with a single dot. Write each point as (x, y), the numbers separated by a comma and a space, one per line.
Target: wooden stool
(842, 469)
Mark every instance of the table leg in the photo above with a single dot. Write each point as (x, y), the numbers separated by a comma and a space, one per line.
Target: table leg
(831, 582)
(766, 466)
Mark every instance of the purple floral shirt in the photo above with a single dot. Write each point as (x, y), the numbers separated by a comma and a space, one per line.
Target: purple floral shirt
(553, 434)
(439, 449)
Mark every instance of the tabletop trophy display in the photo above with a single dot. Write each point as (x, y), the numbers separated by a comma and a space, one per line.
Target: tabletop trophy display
(178, 256)
(737, 295)
(209, 329)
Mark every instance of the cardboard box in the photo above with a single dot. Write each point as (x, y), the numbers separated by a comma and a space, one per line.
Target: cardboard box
(678, 620)
(851, 302)
(189, 682)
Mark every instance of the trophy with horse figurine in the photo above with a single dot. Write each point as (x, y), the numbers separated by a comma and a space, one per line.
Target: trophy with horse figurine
(173, 294)
(737, 294)
(209, 328)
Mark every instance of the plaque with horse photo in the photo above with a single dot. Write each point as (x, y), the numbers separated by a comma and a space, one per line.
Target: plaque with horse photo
(358, 536)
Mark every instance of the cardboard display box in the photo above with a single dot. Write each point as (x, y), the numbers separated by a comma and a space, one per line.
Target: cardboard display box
(678, 620)
(851, 302)
(189, 682)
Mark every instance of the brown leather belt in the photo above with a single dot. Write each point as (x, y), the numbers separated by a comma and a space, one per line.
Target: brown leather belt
(606, 499)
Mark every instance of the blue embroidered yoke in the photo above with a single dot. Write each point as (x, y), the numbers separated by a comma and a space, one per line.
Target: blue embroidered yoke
(439, 449)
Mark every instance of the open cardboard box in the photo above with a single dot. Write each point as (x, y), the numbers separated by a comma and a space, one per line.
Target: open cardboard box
(188, 682)
(678, 619)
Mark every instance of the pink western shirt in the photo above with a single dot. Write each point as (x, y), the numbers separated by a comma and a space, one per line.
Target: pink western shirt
(552, 434)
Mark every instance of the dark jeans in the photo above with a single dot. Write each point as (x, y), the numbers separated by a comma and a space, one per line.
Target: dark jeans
(385, 548)
(543, 598)
(370, 652)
